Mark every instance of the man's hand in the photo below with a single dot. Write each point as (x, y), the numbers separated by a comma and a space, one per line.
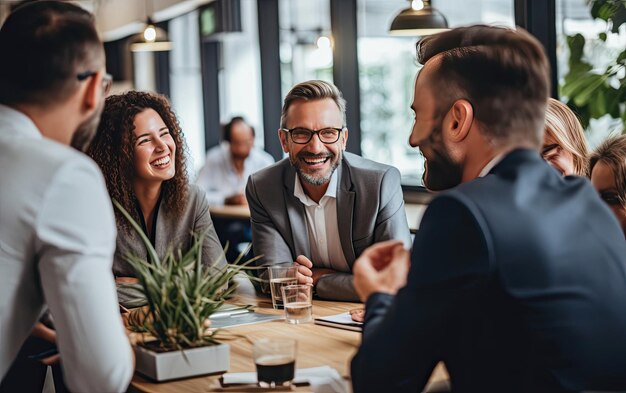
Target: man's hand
(307, 274)
(382, 267)
(126, 280)
(42, 331)
(305, 270)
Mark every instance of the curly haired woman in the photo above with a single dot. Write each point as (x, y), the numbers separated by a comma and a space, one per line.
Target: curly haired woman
(140, 149)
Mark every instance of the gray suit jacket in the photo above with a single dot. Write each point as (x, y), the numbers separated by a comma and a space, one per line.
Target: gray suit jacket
(171, 231)
(370, 209)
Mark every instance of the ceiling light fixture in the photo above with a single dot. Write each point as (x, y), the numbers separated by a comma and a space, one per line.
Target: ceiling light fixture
(419, 19)
(152, 39)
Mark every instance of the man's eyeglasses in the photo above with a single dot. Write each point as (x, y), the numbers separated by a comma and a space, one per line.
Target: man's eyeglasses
(107, 79)
(302, 136)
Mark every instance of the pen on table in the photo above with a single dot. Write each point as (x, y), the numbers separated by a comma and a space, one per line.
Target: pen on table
(222, 314)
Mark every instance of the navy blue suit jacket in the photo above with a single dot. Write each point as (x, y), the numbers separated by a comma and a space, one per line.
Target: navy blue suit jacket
(517, 283)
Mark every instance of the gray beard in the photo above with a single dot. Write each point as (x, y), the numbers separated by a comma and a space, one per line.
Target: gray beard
(317, 181)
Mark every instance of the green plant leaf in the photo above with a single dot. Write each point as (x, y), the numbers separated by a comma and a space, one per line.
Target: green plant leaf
(598, 104)
(584, 94)
(619, 16)
(574, 88)
(602, 36)
(595, 7)
(576, 44)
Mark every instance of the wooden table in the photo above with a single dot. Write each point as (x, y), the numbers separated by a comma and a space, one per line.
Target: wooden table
(230, 211)
(317, 346)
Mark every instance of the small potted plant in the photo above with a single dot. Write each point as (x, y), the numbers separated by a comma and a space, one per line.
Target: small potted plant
(181, 294)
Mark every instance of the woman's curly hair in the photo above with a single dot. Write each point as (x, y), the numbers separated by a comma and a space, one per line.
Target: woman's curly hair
(113, 150)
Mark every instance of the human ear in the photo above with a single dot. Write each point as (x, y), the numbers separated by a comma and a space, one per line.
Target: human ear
(459, 120)
(282, 136)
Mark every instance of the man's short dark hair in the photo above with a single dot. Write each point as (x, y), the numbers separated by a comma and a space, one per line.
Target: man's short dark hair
(503, 73)
(44, 46)
(226, 129)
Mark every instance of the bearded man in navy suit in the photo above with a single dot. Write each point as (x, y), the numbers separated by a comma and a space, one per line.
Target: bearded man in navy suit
(517, 278)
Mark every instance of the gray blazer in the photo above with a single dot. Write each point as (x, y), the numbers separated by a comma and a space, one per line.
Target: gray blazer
(370, 209)
(171, 231)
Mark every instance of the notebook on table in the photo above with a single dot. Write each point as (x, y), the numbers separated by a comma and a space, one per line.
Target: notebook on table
(340, 321)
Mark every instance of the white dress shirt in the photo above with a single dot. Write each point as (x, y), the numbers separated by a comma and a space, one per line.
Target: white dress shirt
(219, 178)
(321, 222)
(57, 238)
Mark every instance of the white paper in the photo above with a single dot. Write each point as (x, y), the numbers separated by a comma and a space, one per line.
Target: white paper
(322, 379)
(344, 318)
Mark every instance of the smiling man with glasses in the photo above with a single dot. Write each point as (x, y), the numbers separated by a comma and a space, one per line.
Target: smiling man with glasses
(321, 207)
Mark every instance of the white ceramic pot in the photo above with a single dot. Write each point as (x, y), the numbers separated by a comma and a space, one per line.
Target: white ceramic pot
(163, 366)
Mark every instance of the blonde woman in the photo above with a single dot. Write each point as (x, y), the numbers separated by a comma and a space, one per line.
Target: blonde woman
(564, 144)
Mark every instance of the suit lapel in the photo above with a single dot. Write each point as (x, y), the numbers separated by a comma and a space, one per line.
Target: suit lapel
(295, 211)
(345, 211)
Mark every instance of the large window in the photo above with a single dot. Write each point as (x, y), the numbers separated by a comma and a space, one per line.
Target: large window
(240, 75)
(387, 69)
(305, 42)
(186, 84)
(574, 17)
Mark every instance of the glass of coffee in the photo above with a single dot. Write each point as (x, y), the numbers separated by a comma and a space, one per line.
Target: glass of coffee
(297, 302)
(280, 276)
(275, 361)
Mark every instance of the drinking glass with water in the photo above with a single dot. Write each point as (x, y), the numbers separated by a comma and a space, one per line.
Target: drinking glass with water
(297, 303)
(280, 276)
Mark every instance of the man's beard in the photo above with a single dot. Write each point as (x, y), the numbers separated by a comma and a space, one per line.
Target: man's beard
(441, 172)
(87, 130)
(315, 179)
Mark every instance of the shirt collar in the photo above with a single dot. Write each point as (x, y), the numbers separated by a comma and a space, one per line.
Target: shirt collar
(20, 124)
(331, 191)
(494, 161)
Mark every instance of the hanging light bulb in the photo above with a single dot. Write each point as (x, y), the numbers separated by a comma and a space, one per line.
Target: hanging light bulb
(323, 42)
(419, 19)
(417, 5)
(152, 38)
(149, 34)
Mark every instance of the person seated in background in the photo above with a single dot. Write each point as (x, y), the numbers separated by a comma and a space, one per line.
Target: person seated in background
(322, 206)
(564, 143)
(228, 165)
(140, 149)
(223, 177)
(517, 276)
(607, 165)
(57, 231)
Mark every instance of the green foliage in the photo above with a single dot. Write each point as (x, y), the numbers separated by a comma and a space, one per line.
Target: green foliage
(590, 93)
(181, 292)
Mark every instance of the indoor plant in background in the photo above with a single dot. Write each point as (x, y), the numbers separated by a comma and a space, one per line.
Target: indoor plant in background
(593, 93)
(181, 294)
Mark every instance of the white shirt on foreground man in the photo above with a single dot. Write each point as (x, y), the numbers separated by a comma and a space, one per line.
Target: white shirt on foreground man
(57, 237)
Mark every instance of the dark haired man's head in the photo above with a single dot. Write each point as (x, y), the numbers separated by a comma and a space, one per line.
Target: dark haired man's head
(240, 136)
(482, 91)
(49, 43)
(56, 70)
